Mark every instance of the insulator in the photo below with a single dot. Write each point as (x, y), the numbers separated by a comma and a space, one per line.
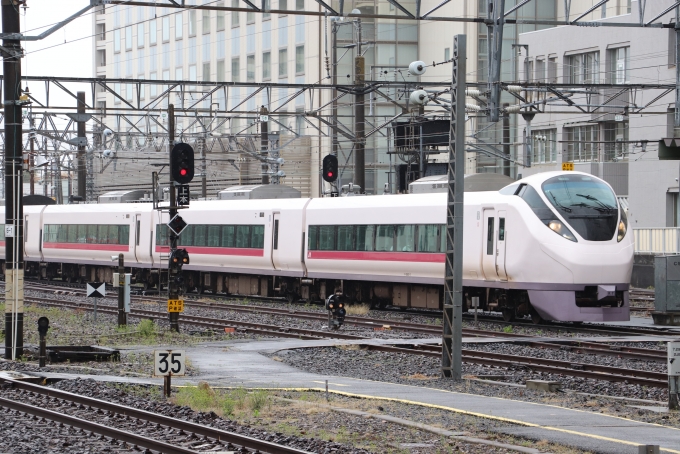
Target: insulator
(472, 92)
(474, 107)
(514, 88)
(512, 109)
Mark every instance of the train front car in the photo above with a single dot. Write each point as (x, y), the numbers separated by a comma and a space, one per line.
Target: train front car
(576, 261)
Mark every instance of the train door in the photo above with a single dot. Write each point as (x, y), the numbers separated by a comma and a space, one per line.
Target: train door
(501, 238)
(138, 236)
(489, 246)
(276, 255)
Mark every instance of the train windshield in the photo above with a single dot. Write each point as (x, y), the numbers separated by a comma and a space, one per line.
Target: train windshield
(588, 205)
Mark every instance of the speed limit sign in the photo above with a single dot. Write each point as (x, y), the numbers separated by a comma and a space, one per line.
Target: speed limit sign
(168, 362)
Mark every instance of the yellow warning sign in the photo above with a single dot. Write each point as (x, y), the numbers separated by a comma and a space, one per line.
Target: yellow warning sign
(175, 305)
(566, 166)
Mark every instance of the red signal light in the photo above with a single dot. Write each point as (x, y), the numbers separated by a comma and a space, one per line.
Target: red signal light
(330, 174)
(183, 172)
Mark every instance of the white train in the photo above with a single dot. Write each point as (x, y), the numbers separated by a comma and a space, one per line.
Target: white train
(553, 246)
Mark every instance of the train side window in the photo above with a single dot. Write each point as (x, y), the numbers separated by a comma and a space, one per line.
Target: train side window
(327, 237)
(384, 238)
(406, 238)
(257, 239)
(72, 235)
(187, 237)
(102, 234)
(345, 238)
(489, 237)
(501, 229)
(213, 235)
(243, 236)
(442, 238)
(82, 233)
(199, 235)
(313, 236)
(364, 237)
(161, 235)
(428, 236)
(123, 234)
(228, 235)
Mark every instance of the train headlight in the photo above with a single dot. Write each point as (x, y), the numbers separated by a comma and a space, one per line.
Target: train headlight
(561, 229)
(340, 305)
(623, 226)
(330, 306)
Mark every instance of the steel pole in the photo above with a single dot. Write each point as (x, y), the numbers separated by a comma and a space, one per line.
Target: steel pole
(81, 166)
(506, 140)
(122, 316)
(173, 284)
(359, 117)
(14, 213)
(264, 146)
(452, 338)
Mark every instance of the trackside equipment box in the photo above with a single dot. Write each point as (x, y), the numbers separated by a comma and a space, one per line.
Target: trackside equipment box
(667, 290)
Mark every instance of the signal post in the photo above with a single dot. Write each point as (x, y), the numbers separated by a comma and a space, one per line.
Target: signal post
(181, 173)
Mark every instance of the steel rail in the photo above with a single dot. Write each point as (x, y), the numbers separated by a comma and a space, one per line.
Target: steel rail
(114, 433)
(211, 432)
(606, 373)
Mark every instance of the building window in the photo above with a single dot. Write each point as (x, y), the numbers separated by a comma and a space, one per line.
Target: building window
(300, 60)
(582, 143)
(528, 70)
(616, 141)
(235, 15)
(166, 29)
(128, 38)
(447, 53)
(221, 71)
(283, 5)
(283, 63)
(619, 61)
(220, 17)
(584, 68)
(250, 17)
(152, 32)
(540, 70)
(299, 5)
(206, 22)
(116, 40)
(206, 72)
(544, 146)
(552, 70)
(192, 22)
(140, 35)
(267, 6)
(266, 66)
(250, 68)
(179, 26)
(236, 69)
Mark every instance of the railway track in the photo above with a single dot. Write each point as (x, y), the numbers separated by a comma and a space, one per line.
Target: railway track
(114, 423)
(582, 370)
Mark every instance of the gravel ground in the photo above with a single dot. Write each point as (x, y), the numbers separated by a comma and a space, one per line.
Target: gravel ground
(302, 420)
(425, 371)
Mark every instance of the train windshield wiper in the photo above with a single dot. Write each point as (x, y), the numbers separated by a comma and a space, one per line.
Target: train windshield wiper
(558, 204)
(603, 207)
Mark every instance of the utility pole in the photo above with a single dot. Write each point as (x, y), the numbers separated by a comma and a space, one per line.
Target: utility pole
(264, 143)
(31, 158)
(14, 210)
(497, 15)
(506, 140)
(81, 166)
(204, 170)
(452, 338)
(359, 116)
(173, 284)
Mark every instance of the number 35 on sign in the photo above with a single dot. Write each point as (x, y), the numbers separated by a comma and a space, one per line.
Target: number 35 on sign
(168, 362)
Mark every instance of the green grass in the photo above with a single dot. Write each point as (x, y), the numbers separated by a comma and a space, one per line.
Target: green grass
(223, 402)
(507, 329)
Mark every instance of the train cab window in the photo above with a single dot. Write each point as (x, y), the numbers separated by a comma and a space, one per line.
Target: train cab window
(257, 236)
(406, 238)
(345, 238)
(364, 237)
(228, 235)
(501, 229)
(213, 235)
(312, 241)
(326, 237)
(199, 235)
(489, 237)
(242, 236)
(384, 238)
(428, 238)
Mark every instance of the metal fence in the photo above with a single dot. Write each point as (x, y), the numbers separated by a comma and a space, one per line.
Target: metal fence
(665, 240)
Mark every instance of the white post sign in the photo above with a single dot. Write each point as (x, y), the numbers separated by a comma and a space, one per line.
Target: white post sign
(674, 359)
(168, 362)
